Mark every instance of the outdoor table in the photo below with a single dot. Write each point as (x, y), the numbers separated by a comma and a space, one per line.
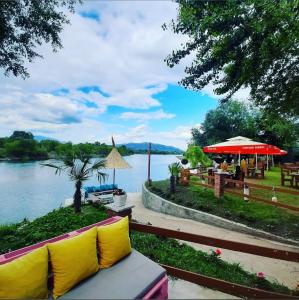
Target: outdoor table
(121, 211)
(224, 172)
(293, 168)
(228, 175)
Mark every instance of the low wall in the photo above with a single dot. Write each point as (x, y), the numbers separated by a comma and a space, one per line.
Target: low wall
(157, 203)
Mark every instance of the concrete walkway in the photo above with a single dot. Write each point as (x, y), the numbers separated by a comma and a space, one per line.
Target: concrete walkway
(284, 272)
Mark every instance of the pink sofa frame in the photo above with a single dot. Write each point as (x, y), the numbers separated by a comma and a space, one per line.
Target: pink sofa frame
(158, 291)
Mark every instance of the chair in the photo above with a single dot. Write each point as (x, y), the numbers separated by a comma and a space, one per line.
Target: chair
(285, 177)
(260, 172)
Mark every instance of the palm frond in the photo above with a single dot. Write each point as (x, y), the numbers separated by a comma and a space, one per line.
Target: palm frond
(86, 161)
(101, 176)
(58, 168)
(100, 164)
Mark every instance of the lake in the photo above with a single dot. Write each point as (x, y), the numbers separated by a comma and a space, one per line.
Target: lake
(30, 190)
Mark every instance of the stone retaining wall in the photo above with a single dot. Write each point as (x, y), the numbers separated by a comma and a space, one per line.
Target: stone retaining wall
(157, 203)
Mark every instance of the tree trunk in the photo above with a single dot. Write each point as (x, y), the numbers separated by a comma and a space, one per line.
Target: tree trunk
(172, 184)
(77, 197)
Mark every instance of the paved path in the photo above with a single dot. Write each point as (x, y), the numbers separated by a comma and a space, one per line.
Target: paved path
(282, 271)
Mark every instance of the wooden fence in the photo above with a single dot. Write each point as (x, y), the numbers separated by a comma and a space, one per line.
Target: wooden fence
(250, 185)
(214, 283)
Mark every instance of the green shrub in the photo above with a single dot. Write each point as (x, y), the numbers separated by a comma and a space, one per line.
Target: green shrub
(55, 223)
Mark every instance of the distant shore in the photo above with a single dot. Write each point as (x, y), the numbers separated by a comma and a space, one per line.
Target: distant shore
(22, 159)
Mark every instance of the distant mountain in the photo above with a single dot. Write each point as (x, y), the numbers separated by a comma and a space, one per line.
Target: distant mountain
(42, 138)
(143, 147)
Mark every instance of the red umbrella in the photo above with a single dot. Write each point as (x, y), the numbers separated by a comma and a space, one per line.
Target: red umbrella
(242, 145)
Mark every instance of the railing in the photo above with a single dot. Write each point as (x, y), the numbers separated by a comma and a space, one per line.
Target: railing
(221, 285)
(260, 199)
(241, 184)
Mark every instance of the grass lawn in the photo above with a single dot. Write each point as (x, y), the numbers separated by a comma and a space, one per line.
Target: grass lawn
(180, 255)
(254, 214)
(161, 250)
(272, 178)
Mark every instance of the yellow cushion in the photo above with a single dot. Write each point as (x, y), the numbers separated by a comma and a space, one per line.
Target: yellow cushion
(73, 260)
(114, 242)
(25, 277)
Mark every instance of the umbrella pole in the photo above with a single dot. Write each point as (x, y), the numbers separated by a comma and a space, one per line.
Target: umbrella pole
(113, 176)
(267, 162)
(239, 159)
(255, 160)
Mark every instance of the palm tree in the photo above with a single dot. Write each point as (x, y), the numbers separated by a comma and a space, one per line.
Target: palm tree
(174, 170)
(79, 168)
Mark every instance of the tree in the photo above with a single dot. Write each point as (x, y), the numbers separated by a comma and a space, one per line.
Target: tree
(49, 145)
(195, 155)
(239, 44)
(234, 118)
(22, 135)
(79, 168)
(26, 24)
(229, 119)
(278, 131)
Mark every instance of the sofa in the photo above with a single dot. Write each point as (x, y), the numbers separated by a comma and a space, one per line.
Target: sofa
(133, 277)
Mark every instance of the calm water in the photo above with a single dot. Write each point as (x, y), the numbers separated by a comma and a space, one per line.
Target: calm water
(29, 190)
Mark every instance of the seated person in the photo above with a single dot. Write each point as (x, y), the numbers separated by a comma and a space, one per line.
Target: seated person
(243, 165)
(251, 162)
(215, 165)
(238, 174)
(224, 166)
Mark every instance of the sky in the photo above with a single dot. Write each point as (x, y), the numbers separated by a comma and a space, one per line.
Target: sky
(110, 78)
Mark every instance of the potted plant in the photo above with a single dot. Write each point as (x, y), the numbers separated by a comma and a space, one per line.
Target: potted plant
(119, 197)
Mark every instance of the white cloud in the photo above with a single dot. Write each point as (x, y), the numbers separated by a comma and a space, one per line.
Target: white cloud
(153, 115)
(122, 53)
(41, 112)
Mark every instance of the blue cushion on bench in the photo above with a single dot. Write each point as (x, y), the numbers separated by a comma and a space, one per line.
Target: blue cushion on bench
(130, 278)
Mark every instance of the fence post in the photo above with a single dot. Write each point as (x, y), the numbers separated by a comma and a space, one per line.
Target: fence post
(219, 185)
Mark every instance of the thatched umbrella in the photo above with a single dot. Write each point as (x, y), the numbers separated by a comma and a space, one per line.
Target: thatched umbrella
(115, 161)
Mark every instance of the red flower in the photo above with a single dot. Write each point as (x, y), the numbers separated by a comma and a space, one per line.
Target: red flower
(260, 275)
(218, 252)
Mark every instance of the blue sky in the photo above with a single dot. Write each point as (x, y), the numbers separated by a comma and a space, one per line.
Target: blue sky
(109, 78)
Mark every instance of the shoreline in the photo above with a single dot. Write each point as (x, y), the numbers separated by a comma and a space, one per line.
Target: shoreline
(17, 159)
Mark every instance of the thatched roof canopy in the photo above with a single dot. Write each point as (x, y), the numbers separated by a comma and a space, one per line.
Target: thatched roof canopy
(115, 161)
